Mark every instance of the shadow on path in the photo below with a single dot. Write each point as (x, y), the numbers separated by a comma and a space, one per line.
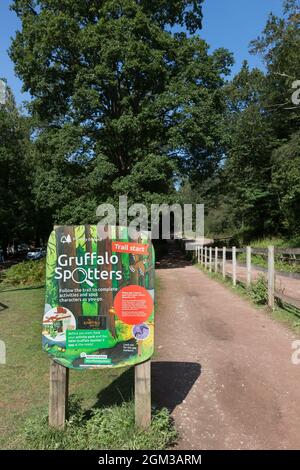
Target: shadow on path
(172, 381)
(3, 307)
(175, 258)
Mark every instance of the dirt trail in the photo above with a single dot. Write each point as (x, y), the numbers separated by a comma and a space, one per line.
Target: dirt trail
(222, 367)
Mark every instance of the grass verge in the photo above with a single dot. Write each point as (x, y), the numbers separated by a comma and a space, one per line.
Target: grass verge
(106, 428)
(260, 260)
(277, 242)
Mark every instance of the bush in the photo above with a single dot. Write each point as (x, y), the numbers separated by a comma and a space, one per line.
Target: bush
(109, 428)
(259, 291)
(27, 273)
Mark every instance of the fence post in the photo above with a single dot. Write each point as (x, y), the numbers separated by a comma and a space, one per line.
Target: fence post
(198, 253)
(205, 257)
(201, 255)
(234, 266)
(216, 259)
(58, 395)
(271, 277)
(224, 263)
(249, 272)
(142, 394)
(210, 259)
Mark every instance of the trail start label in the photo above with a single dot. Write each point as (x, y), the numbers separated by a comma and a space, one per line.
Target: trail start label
(99, 309)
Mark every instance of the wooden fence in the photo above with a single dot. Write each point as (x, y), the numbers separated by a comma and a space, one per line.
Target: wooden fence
(216, 259)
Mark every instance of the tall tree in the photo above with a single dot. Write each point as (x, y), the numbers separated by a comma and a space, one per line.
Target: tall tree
(263, 122)
(279, 46)
(125, 102)
(286, 184)
(247, 169)
(16, 201)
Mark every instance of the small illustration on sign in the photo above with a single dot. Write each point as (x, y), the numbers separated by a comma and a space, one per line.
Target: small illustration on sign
(141, 331)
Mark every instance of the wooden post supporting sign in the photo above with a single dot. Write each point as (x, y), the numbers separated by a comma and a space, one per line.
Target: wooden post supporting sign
(59, 386)
(142, 394)
(58, 396)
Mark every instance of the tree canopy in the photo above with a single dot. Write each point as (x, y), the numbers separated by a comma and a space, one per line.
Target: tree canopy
(260, 181)
(124, 104)
(17, 211)
(128, 99)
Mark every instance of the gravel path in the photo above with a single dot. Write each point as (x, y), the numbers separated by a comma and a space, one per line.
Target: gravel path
(222, 367)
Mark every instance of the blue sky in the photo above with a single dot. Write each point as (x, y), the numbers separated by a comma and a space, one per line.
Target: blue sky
(227, 23)
(234, 23)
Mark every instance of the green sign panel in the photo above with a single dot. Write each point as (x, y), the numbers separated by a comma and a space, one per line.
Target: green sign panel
(99, 309)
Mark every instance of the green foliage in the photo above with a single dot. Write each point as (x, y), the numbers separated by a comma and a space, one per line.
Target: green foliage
(27, 273)
(257, 260)
(293, 242)
(286, 182)
(279, 44)
(259, 182)
(247, 168)
(108, 428)
(17, 212)
(128, 100)
(122, 104)
(280, 264)
(259, 291)
(273, 241)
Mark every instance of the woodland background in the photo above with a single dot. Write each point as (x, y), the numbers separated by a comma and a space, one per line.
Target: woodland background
(127, 99)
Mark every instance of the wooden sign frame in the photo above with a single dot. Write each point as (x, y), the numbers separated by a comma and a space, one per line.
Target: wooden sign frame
(91, 285)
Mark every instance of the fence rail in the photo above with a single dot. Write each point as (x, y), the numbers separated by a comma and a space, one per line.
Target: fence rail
(216, 259)
(264, 251)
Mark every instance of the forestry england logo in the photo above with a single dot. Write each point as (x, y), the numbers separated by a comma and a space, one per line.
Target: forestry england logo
(66, 239)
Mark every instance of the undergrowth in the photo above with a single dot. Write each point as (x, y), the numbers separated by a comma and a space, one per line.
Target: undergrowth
(27, 273)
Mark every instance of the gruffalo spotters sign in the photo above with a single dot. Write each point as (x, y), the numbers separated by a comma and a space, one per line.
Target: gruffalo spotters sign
(99, 309)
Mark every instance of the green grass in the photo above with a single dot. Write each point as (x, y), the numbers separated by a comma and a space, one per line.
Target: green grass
(25, 381)
(260, 260)
(277, 242)
(102, 428)
(288, 316)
